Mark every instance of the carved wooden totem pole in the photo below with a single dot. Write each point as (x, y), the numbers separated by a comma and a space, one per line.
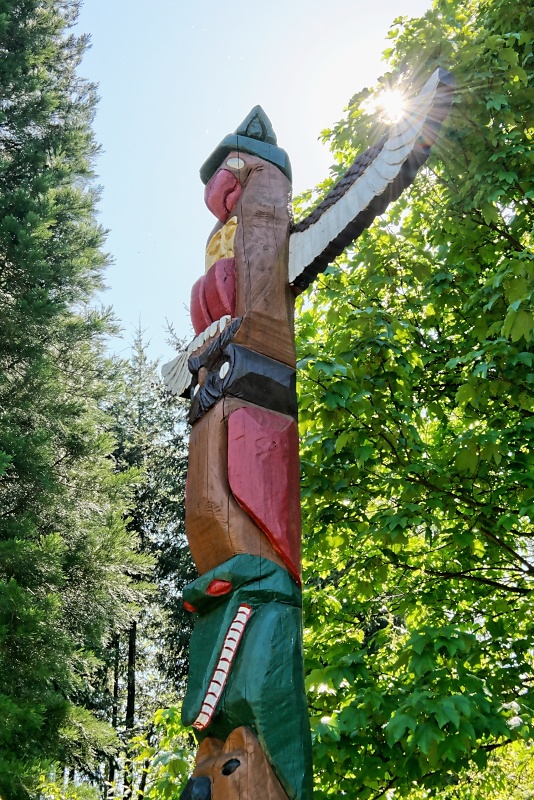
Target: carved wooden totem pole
(245, 697)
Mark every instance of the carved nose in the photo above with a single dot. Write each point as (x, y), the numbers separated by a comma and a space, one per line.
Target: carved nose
(222, 193)
(197, 789)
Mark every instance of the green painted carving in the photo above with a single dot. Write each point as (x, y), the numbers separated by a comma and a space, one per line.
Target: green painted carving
(257, 125)
(256, 136)
(264, 681)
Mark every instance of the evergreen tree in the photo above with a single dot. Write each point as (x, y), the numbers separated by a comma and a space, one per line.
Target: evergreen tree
(69, 566)
(149, 428)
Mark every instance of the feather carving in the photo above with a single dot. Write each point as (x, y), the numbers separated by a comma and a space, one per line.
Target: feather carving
(376, 178)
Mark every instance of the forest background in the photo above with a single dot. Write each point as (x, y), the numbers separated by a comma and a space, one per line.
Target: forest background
(416, 411)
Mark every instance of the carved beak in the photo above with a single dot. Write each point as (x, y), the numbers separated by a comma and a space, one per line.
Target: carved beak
(222, 193)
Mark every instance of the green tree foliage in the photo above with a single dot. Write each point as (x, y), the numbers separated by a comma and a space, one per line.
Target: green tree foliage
(417, 412)
(148, 664)
(166, 762)
(150, 430)
(68, 563)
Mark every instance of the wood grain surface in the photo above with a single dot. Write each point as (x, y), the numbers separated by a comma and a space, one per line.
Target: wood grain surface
(263, 296)
(216, 525)
(237, 768)
(264, 476)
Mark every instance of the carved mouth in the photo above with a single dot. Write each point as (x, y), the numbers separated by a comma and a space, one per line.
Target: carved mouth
(212, 330)
(222, 670)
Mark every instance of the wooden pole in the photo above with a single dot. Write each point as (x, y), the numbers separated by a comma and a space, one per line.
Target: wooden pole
(245, 697)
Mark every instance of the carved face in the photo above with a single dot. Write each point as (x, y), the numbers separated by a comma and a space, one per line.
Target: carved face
(233, 770)
(225, 186)
(250, 579)
(225, 599)
(246, 658)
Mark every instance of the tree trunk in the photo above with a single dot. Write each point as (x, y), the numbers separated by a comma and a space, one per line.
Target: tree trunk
(114, 712)
(142, 782)
(130, 710)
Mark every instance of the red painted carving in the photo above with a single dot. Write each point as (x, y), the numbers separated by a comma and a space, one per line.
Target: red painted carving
(263, 472)
(213, 295)
(222, 193)
(189, 607)
(218, 587)
(219, 288)
(200, 316)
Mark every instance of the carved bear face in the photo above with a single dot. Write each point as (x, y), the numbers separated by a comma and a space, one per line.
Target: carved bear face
(232, 770)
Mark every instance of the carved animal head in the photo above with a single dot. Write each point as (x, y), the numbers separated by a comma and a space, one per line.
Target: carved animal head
(225, 599)
(232, 770)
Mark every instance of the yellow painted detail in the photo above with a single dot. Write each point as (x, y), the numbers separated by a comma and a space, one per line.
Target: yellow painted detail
(221, 244)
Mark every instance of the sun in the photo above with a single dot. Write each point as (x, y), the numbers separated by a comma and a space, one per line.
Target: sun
(392, 104)
(389, 105)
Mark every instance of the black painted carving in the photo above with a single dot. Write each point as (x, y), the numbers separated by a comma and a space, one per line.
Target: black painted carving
(236, 371)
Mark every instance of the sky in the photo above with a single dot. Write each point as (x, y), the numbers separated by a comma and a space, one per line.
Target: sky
(174, 78)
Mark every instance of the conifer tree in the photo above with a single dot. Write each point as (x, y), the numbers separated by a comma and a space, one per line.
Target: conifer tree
(149, 429)
(68, 563)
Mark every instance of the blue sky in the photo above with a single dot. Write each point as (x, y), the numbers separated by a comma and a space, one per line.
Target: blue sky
(174, 78)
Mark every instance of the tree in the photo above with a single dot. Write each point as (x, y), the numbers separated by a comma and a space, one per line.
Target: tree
(416, 411)
(149, 661)
(69, 566)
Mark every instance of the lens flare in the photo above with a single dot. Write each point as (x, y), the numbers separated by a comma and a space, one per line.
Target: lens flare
(391, 104)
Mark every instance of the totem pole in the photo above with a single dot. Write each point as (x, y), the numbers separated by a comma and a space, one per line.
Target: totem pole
(245, 696)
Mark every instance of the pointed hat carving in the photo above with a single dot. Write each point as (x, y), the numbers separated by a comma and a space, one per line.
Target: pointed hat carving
(255, 135)
(257, 125)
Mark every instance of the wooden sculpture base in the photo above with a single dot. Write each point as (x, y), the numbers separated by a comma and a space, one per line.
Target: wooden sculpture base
(236, 769)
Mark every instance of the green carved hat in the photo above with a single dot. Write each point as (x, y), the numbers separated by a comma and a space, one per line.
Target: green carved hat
(255, 135)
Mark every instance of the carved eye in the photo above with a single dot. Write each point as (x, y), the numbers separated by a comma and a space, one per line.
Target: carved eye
(189, 607)
(230, 766)
(218, 587)
(223, 372)
(235, 163)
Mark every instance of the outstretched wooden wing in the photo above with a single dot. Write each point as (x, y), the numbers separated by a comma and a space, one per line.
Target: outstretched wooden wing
(376, 178)
(176, 375)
